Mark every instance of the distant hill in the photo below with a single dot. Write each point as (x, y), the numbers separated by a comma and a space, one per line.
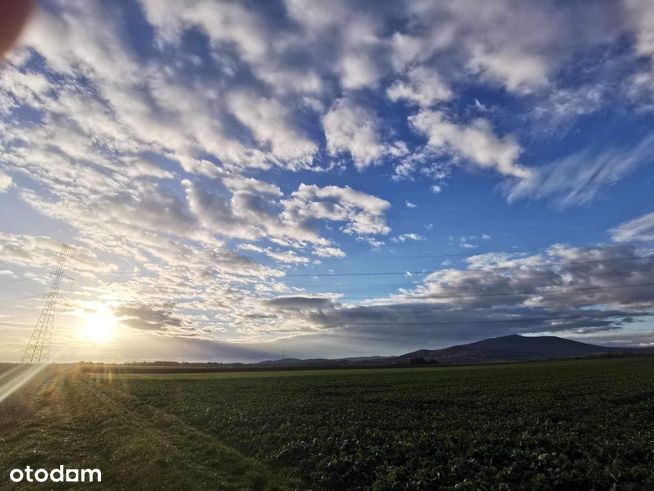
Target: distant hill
(512, 348)
(492, 350)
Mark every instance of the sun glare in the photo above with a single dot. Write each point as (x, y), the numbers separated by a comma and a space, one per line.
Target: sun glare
(99, 325)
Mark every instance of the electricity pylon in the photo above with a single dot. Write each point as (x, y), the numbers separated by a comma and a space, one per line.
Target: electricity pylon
(38, 347)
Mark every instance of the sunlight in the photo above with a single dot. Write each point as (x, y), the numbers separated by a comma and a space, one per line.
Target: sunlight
(99, 324)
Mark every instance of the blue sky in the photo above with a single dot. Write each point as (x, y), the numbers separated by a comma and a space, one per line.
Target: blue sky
(341, 179)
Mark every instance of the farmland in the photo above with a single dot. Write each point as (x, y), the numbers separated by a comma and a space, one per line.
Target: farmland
(565, 424)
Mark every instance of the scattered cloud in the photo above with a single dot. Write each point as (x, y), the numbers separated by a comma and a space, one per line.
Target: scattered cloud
(578, 178)
(638, 229)
(641, 14)
(475, 143)
(362, 213)
(350, 127)
(421, 86)
(407, 237)
(5, 182)
(565, 289)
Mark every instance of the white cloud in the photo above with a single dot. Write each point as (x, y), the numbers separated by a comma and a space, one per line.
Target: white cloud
(329, 252)
(641, 15)
(43, 252)
(358, 70)
(422, 86)
(407, 237)
(516, 70)
(640, 87)
(476, 142)
(223, 23)
(268, 121)
(638, 229)
(363, 213)
(578, 178)
(5, 182)
(351, 127)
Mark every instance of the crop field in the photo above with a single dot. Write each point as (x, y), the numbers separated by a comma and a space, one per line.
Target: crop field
(578, 424)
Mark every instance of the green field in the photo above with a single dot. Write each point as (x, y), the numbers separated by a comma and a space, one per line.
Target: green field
(579, 424)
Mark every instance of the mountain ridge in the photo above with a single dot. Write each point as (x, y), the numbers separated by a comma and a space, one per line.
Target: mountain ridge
(509, 348)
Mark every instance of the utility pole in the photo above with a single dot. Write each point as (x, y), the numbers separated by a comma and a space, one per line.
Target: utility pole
(38, 347)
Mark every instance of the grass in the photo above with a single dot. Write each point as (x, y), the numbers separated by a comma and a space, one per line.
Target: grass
(63, 417)
(578, 424)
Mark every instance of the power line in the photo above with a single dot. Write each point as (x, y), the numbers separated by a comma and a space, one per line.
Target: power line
(24, 316)
(15, 280)
(493, 269)
(477, 237)
(414, 272)
(16, 324)
(448, 323)
(16, 299)
(516, 293)
(423, 272)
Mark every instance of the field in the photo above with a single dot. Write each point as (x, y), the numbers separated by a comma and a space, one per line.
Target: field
(578, 424)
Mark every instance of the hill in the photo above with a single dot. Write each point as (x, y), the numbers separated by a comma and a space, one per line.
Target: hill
(512, 348)
(492, 350)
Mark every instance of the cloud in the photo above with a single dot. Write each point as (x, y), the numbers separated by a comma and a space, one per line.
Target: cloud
(329, 252)
(578, 178)
(423, 325)
(43, 252)
(216, 213)
(526, 51)
(422, 86)
(563, 277)
(363, 213)
(233, 24)
(641, 14)
(352, 128)
(251, 214)
(407, 237)
(515, 69)
(5, 182)
(573, 290)
(299, 303)
(638, 229)
(640, 86)
(147, 318)
(475, 143)
(267, 119)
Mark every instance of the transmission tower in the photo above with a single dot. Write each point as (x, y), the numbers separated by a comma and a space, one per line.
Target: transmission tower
(38, 347)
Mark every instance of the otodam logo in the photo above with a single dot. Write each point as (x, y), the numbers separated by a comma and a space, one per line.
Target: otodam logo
(58, 474)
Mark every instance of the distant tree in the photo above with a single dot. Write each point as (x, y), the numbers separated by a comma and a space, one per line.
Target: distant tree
(420, 360)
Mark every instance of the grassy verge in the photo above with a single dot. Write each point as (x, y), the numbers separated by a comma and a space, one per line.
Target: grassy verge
(62, 417)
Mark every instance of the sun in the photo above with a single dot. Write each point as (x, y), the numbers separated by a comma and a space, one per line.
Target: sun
(99, 324)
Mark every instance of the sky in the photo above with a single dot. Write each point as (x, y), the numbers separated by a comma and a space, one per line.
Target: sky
(240, 180)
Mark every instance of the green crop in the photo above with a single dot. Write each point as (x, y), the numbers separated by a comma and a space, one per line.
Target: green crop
(579, 424)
